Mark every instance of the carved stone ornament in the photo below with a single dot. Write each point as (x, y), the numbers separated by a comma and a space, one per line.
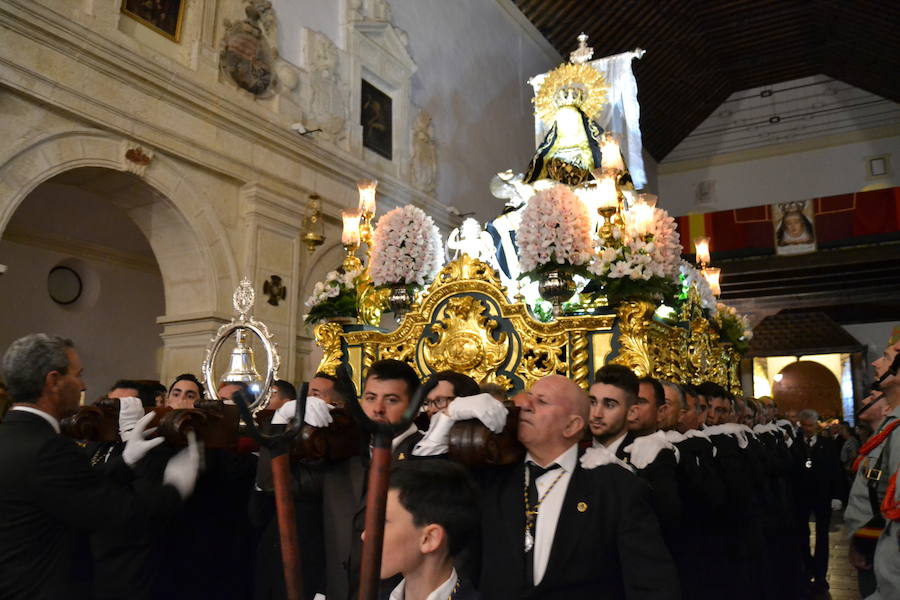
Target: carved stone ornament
(137, 158)
(247, 54)
(327, 105)
(424, 154)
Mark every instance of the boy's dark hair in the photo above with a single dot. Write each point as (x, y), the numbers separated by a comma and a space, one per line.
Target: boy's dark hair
(285, 387)
(621, 377)
(440, 492)
(394, 369)
(321, 375)
(463, 385)
(188, 377)
(657, 390)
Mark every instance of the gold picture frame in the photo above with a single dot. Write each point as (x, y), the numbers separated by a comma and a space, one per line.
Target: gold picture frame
(162, 16)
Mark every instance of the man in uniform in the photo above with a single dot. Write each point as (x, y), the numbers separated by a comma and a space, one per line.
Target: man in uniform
(883, 469)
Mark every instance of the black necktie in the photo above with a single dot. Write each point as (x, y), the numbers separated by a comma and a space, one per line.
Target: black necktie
(534, 471)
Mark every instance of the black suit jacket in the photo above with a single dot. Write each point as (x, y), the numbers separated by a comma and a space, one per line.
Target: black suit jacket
(607, 543)
(50, 498)
(662, 477)
(818, 485)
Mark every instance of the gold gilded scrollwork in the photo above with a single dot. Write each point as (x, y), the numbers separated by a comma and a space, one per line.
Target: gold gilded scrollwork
(465, 340)
(328, 338)
(578, 358)
(634, 321)
(542, 355)
(668, 349)
(700, 351)
(372, 301)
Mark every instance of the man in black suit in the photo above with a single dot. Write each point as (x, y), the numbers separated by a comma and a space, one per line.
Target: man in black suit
(50, 497)
(818, 487)
(552, 528)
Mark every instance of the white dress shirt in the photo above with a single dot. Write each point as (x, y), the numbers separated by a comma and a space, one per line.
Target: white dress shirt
(548, 511)
(614, 446)
(47, 417)
(442, 592)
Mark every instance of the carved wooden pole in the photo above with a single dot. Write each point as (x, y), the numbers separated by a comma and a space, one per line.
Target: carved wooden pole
(287, 526)
(376, 503)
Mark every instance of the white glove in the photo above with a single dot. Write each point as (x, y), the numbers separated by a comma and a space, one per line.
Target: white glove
(130, 412)
(761, 429)
(645, 449)
(600, 455)
(483, 407)
(836, 504)
(181, 470)
(136, 445)
(435, 440)
(318, 412)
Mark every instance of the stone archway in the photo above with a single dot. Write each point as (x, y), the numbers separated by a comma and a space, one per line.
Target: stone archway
(189, 242)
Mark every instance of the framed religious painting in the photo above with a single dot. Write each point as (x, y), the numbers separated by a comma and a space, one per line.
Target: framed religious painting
(162, 16)
(795, 231)
(375, 116)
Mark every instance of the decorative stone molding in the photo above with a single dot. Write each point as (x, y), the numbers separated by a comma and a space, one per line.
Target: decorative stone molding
(136, 158)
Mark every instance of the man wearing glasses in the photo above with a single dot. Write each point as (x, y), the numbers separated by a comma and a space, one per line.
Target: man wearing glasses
(443, 387)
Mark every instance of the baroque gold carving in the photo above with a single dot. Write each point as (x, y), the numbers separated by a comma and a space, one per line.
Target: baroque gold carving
(634, 322)
(578, 358)
(328, 338)
(465, 340)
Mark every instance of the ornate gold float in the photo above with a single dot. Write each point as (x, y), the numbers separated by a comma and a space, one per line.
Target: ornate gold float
(464, 322)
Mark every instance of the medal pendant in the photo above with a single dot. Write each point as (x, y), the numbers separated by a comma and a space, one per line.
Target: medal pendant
(529, 541)
(808, 464)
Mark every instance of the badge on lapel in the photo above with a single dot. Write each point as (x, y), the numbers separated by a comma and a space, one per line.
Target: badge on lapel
(582, 507)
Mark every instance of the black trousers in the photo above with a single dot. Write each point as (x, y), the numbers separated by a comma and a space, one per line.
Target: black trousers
(816, 561)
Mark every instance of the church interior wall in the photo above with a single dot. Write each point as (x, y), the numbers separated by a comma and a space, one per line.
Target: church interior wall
(113, 323)
(774, 177)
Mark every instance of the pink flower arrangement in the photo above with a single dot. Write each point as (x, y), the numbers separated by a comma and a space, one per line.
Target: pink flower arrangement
(406, 248)
(555, 230)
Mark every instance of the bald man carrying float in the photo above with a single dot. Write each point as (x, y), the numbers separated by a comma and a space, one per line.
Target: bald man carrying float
(563, 523)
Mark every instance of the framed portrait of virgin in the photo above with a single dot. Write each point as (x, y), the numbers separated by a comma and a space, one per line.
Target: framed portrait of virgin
(162, 16)
(795, 231)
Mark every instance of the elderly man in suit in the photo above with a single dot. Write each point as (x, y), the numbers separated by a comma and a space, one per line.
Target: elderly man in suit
(50, 497)
(562, 524)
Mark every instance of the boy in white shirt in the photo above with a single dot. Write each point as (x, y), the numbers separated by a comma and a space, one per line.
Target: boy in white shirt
(432, 513)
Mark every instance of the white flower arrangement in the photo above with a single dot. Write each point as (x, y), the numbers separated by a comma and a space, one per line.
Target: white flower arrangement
(691, 275)
(555, 230)
(335, 296)
(638, 255)
(406, 248)
(734, 326)
(725, 313)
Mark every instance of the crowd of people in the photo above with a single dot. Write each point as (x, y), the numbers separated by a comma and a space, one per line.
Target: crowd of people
(634, 488)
